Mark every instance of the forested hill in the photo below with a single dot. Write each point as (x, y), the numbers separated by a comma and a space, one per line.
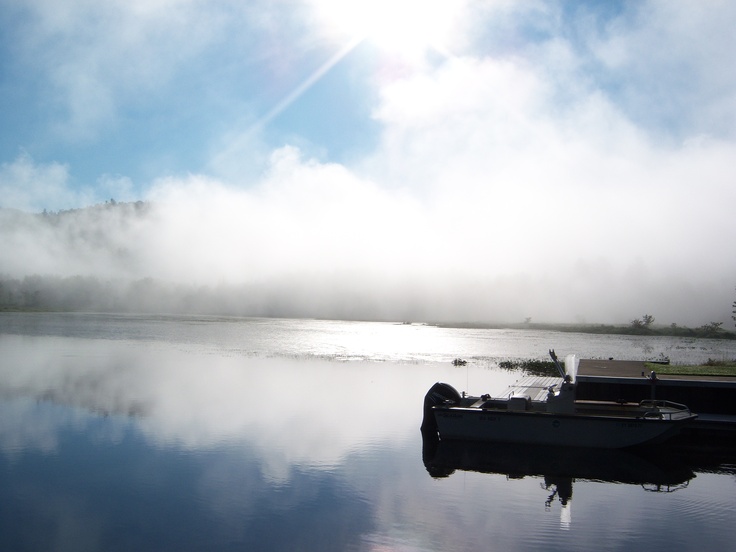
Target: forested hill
(82, 213)
(53, 241)
(139, 258)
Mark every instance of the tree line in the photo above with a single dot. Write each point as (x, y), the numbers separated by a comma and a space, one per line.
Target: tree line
(644, 326)
(150, 296)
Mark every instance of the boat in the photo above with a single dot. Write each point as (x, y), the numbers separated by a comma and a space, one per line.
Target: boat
(556, 419)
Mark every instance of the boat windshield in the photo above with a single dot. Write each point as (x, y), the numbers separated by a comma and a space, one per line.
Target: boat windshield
(571, 367)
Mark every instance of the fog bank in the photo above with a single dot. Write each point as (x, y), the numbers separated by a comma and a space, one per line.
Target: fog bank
(326, 244)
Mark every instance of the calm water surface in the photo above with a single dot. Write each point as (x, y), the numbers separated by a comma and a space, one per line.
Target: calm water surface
(175, 433)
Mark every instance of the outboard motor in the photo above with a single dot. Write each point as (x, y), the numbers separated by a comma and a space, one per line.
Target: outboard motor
(439, 393)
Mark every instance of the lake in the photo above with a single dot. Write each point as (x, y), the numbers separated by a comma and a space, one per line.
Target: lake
(210, 433)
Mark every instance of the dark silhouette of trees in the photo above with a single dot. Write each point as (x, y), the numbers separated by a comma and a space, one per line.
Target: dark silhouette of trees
(642, 324)
(713, 329)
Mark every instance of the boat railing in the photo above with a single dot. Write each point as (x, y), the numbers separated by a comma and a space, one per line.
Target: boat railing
(666, 410)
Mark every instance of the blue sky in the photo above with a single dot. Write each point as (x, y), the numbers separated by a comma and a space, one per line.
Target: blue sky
(148, 90)
(141, 92)
(494, 135)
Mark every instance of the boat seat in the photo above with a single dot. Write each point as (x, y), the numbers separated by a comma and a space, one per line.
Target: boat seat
(520, 402)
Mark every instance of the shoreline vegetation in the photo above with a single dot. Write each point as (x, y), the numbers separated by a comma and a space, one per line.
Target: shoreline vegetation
(710, 368)
(707, 331)
(546, 368)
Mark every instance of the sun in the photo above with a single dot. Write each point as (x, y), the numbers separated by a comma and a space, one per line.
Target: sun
(409, 28)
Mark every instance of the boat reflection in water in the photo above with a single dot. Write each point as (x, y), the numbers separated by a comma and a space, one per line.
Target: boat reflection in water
(655, 470)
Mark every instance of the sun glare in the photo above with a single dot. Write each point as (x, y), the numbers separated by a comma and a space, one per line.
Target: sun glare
(405, 27)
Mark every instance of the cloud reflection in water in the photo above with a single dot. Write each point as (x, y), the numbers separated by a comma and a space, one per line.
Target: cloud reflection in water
(298, 412)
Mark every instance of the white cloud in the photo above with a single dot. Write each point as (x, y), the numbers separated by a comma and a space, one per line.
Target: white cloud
(27, 186)
(305, 218)
(669, 61)
(102, 60)
(176, 402)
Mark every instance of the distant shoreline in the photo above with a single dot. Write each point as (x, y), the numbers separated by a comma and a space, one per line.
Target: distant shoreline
(612, 329)
(705, 332)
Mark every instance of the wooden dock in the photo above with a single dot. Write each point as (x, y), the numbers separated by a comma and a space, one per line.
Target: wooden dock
(712, 398)
(634, 369)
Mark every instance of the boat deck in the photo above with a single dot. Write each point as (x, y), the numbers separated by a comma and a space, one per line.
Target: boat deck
(535, 387)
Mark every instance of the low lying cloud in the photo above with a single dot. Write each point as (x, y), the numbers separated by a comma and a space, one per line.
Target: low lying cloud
(314, 239)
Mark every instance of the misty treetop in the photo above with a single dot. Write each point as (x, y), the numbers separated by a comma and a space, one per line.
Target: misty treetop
(103, 237)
